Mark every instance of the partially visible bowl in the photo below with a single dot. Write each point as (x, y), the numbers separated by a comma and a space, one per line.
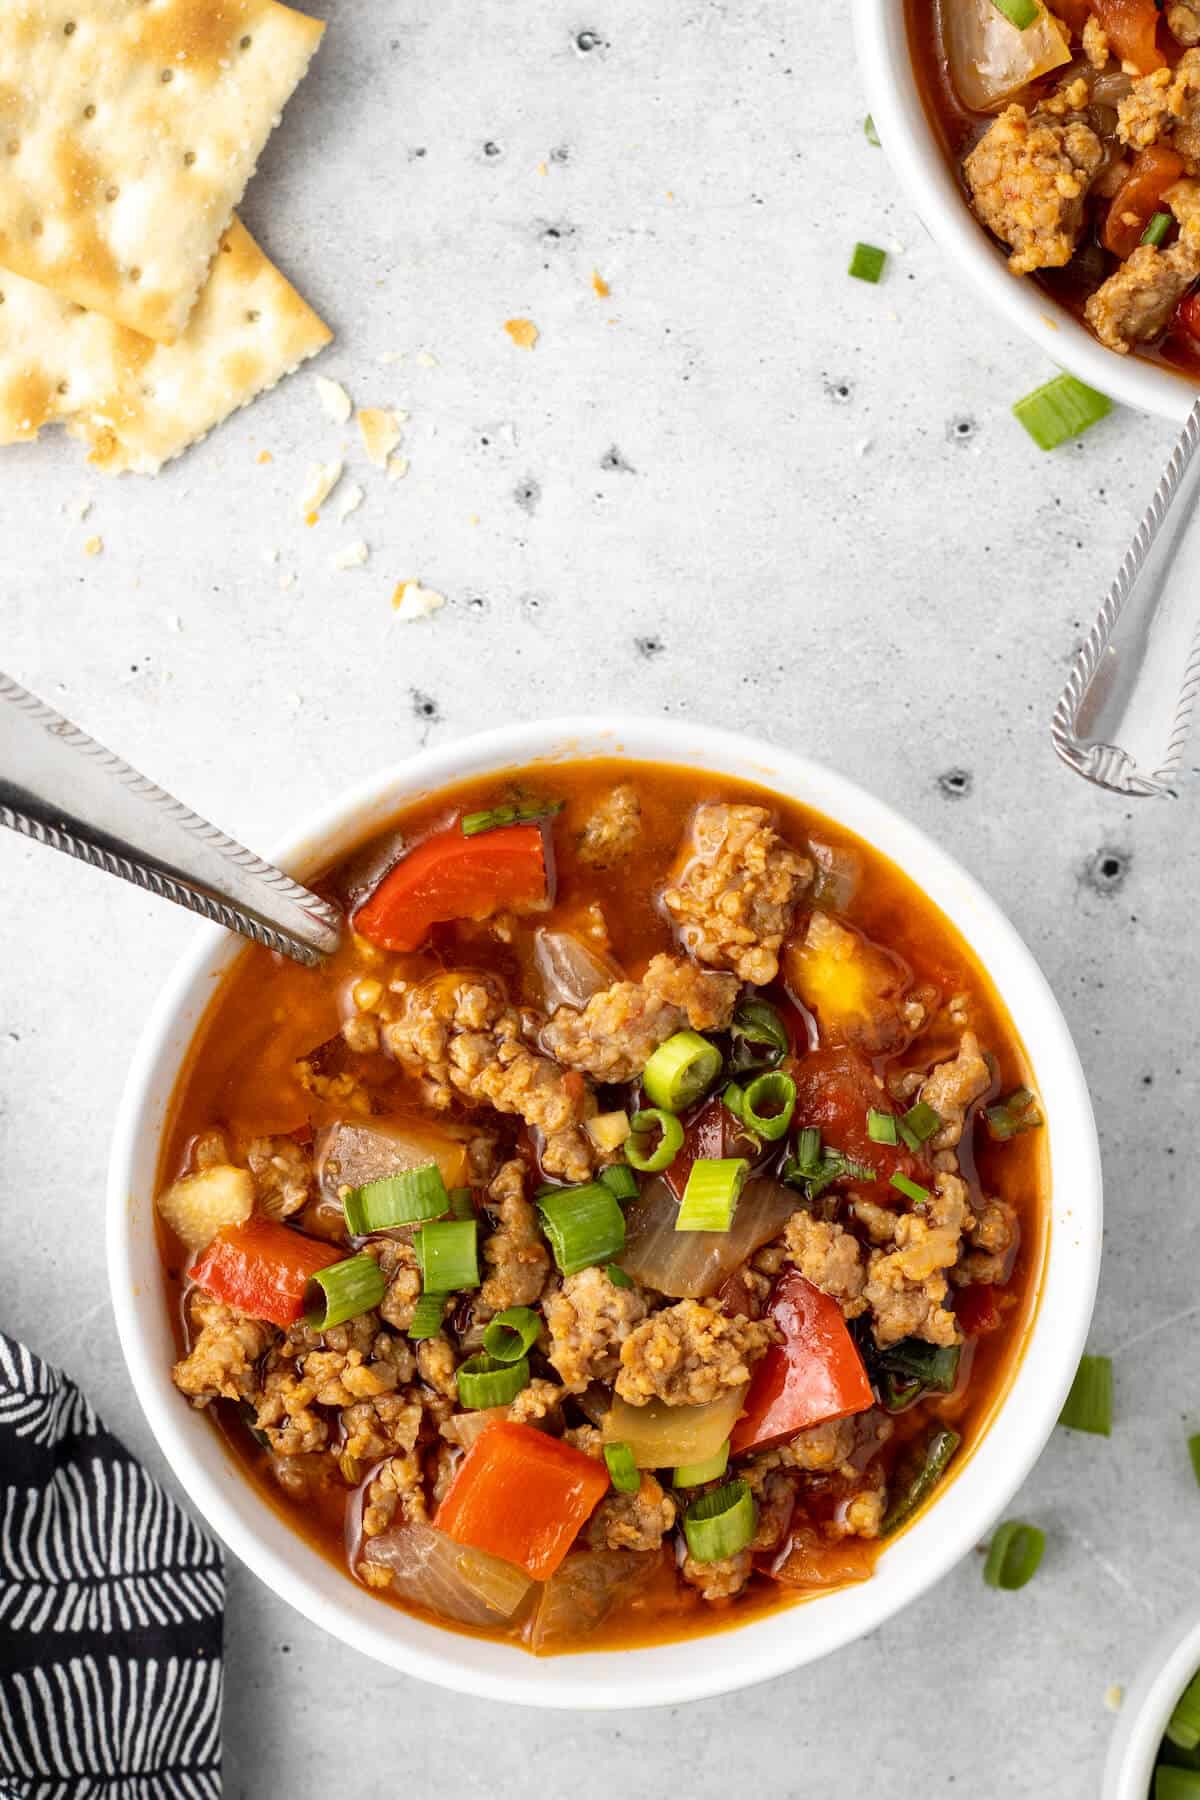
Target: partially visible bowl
(915, 154)
(1147, 1706)
(785, 1637)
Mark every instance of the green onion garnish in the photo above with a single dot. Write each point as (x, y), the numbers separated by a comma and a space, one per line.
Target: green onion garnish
(462, 1203)
(640, 1147)
(518, 813)
(808, 1151)
(343, 1291)
(624, 1473)
(814, 1169)
(912, 1190)
(696, 1474)
(768, 1104)
(881, 1127)
(405, 1198)
(721, 1523)
(1060, 410)
(711, 1195)
(1171, 1783)
(1016, 1114)
(870, 133)
(1021, 13)
(617, 1275)
(867, 262)
(620, 1180)
(760, 1038)
(680, 1071)
(1157, 229)
(919, 1124)
(1016, 1550)
(484, 1382)
(585, 1225)
(448, 1253)
(1183, 1727)
(933, 1462)
(427, 1317)
(511, 1333)
(1194, 1452)
(1089, 1405)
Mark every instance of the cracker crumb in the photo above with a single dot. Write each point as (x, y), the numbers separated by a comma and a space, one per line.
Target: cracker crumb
(94, 546)
(523, 332)
(425, 359)
(543, 168)
(600, 287)
(78, 508)
(286, 581)
(335, 401)
(412, 601)
(350, 502)
(174, 622)
(351, 556)
(270, 555)
(380, 430)
(1114, 1696)
(393, 356)
(397, 467)
(321, 480)
(264, 456)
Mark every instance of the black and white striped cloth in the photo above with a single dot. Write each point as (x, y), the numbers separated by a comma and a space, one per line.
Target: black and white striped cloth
(111, 1600)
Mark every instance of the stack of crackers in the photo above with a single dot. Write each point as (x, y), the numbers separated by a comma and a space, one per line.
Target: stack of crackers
(135, 308)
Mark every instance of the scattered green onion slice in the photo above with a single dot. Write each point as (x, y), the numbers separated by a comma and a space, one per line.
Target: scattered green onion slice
(760, 1038)
(405, 1198)
(934, 1461)
(585, 1225)
(696, 1474)
(518, 813)
(912, 1190)
(680, 1071)
(1060, 410)
(617, 1275)
(768, 1104)
(711, 1195)
(814, 1168)
(1194, 1453)
(1171, 1783)
(1157, 229)
(640, 1147)
(484, 1382)
(867, 262)
(808, 1151)
(462, 1203)
(620, 1180)
(511, 1333)
(919, 1124)
(1016, 1550)
(427, 1317)
(624, 1473)
(344, 1290)
(720, 1523)
(1021, 13)
(1089, 1405)
(881, 1127)
(1183, 1727)
(448, 1252)
(869, 131)
(1016, 1114)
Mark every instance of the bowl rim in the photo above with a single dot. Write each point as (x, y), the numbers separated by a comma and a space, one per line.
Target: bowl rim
(920, 165)
(1169, 1664)
(769, 1644)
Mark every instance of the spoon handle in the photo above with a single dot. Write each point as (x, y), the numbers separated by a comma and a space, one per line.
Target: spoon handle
(1123, 718)
(60, 787)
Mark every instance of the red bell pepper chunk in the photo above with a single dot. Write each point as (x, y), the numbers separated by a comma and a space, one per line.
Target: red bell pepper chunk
(450, 876)
(523, 1496)
(977, 1310)
(262, 1268)
(1187, 316)
(815, 1374)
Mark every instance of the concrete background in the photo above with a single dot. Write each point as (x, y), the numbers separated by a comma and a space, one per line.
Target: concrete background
(741, 488)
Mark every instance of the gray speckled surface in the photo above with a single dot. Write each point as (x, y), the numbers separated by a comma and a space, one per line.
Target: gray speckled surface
(740, 488)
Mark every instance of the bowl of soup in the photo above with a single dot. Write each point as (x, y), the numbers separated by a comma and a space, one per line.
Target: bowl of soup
(1050, 149)
(673, 1210)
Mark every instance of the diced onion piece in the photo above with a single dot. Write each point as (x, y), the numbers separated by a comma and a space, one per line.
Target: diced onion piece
(991, 60)
(351, 1153)
(569, 971)
(669, 1437)
(198, 1206)
(453, 1581)
(691, 1264)
(608, 1131)
(464, 1427)
(584, 1590)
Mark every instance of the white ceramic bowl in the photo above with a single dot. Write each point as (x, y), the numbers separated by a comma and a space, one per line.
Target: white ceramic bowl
(1147, 1706)
(788, 1636)
(918, 160)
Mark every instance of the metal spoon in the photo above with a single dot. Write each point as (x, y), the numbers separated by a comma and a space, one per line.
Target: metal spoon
(62, 788)
(1123, 718)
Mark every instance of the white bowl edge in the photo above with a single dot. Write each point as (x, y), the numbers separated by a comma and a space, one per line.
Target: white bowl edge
(1168, 1667)
(785, 1638)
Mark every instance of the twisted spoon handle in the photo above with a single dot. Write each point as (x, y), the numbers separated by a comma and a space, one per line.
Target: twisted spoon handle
(59, 787)
(1123, 718)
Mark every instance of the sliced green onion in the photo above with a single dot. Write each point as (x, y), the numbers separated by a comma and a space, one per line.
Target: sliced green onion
(814, 1169)
(919, 1124)
(1171, 1783)
(1016, 1550)
(881, 1127)
(1194, 1453)
(484, 1382)
(760, 1037)
(768, 1104)
(1183, 1726)
(617, 1275)
(696, 1474)
(448, 1253)
(720, 1523)
(1157, 229)
(511, 1333)
(808, 1151)
(681, 1070)
(517, 813)
(1016, 1114)
(928, 1471)
(427, 1317)
(620, 1180)
(585, 1225)
(462, 1203)
(912, 1190)
(405, 1198)
(870, 133)
(343, 1291)
(867, 262)
(624, 1473)
(711, 1195)
(1089, 1405)
(1021, 13)
(1060, 410)
(640, 1147)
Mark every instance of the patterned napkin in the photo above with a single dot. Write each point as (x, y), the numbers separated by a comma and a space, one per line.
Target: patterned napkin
(111, 1600)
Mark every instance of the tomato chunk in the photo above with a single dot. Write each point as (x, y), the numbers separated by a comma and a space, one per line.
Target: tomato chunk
(262, 1268)
(1136, 200)
(450, 876)
(1187, 316)
(1132, 27)
(835, 1090)
(815, 1374)
(712, 1131)
(523, 1496)
(977, 1310)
